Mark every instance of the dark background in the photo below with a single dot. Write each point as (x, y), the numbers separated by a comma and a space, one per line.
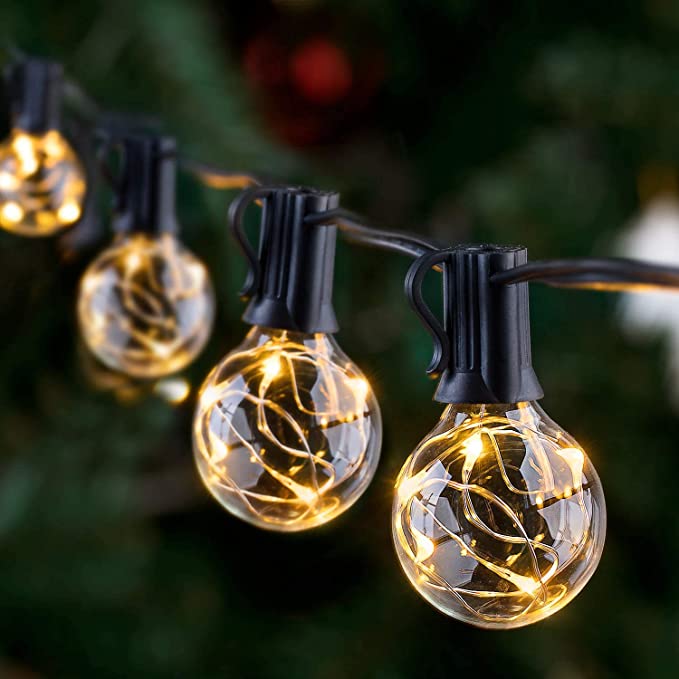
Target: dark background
(524, 122)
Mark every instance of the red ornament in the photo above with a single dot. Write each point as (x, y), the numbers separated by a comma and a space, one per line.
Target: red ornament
(321, 71)
(309, 88)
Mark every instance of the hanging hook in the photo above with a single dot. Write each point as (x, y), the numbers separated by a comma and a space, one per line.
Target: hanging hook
(413, 289)
(236, 213)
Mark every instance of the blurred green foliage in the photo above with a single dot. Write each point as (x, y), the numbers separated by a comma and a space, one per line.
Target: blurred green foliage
(518, 122)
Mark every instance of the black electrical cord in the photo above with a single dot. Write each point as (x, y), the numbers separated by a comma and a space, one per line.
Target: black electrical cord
(587, 273)
(611, 274)
(354, 228)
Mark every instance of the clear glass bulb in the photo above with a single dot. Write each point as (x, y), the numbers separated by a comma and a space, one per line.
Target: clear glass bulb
(42, 184)
(146, 306)
(499, 517)
(287, 431)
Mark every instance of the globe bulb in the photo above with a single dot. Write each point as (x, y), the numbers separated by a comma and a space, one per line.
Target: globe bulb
(287, 430)
(146, 305)
(42, 184)
(499, 517)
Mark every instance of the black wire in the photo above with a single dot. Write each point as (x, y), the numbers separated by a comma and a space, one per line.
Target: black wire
(354, 228)
(594, 274)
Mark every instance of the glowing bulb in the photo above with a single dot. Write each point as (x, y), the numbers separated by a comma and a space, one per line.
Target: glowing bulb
(174, 390)
(287, 431)
(499, 517)
(42, 184)
(146, 306)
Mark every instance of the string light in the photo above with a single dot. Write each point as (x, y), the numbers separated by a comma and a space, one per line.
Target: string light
(42, 182)
(287, 431)
(146, 305)
(499, 517)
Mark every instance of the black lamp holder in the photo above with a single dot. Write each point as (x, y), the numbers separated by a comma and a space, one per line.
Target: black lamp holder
(35, 90)
(144, 188)
(482, 349)
(290, 277)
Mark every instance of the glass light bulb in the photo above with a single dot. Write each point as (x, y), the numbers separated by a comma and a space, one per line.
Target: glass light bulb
(146, 306)
(42, 184)
(287, 431)
(499, 517)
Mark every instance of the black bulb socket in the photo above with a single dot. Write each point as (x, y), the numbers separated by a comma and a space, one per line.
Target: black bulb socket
(482, 350)
(35, 92)
(290, 278)
(146, 189)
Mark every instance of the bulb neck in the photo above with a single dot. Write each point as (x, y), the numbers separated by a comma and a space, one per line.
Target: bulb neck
(483, 348)
(35, 88)
(290, 281)
(455, 413)
(146, 191)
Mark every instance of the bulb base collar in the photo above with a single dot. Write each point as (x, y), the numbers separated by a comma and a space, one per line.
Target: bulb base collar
(146, 189)
(290, 279)
(482, 349)
(35, 88)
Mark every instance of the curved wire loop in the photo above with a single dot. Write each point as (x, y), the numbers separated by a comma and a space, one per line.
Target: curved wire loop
(413, 290)
(236, 213)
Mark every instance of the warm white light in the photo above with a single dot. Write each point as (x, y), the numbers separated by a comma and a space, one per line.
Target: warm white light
(69, 212)
(575, 459)
(8, 182)
(423, 545)
(12, 213)
(25, 149)
(271, 366)
(489, 524)
(273, 440)
(141, 323)
(42, 177)
(174, 390)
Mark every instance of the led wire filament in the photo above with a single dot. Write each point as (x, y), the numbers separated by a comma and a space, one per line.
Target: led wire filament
(146, 306)
(287, 431)
(499, 517)
(42, 184)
